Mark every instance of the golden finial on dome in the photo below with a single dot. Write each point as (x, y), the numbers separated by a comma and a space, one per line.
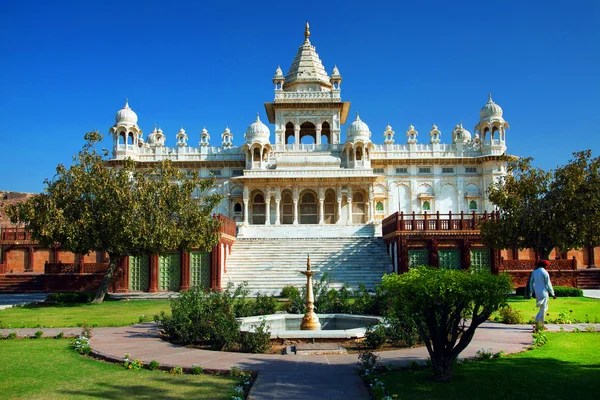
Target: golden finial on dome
(307, 31)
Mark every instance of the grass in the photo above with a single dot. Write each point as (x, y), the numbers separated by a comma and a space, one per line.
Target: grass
(584, 309)
(109, 313)
(49, 369)
(568, 366)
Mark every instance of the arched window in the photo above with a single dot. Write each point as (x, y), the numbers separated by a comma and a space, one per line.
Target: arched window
(287, 209)
(258, 209)
(308, 129)
(237, 209)
(358, 208)
(308, 208)
(358, 153)
(426, 206)
(122, 138)
(256, 157)
(329, 207)
(473, 205)
(379, 207)
(130, 138)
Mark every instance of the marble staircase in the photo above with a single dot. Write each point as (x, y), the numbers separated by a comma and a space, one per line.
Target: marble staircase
(268, 264)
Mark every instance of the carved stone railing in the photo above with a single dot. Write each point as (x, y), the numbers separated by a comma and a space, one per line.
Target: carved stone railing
(400, 222)
(306, 97)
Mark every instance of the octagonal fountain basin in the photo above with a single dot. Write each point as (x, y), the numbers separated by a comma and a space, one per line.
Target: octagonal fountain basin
(333, 326)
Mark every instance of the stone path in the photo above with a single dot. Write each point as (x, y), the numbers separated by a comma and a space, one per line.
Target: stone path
(287, 376)
(591, 293)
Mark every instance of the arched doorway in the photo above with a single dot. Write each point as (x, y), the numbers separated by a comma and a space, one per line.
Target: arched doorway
(308, 129)
(325, 133)
(258, 209)
(287, 209)
(308, 208)
(358, 208)
(330, 208)
(289, 133)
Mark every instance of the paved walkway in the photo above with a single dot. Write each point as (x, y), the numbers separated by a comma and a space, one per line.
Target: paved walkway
(8, 300)
(592, 293)
(287, 376)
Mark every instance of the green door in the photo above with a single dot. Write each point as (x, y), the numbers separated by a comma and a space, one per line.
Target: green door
(200, 269)
(449, 259)
(169, 273)
(480, 260)
(138, 274)
(417, 258)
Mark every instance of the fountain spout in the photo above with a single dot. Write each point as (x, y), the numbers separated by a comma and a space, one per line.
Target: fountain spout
(310, 322)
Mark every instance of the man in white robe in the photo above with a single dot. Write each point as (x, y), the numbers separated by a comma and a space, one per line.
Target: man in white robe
(542, 287)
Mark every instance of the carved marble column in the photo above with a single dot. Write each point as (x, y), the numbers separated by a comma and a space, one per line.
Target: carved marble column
(268, 210)
(296, 136)
(295, 198)
(339, 211)
(321, 211)
(370, 206)
(246, 199)
(318, 134)
(349, 222)
(278, 206)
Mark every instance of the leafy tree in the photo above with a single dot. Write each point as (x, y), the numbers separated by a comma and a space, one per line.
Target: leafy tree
(527, 215)
(121, 210)
(544, 210)
(446, 306)
(576, 187)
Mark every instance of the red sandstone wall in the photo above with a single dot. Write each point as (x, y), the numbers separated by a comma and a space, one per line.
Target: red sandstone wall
(40, 256)
(16, 260)
(66, 257)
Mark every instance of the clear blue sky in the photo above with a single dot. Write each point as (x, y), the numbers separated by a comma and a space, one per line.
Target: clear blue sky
(67, 67)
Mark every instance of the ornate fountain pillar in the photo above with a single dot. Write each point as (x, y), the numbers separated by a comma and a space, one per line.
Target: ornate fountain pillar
(310, 321)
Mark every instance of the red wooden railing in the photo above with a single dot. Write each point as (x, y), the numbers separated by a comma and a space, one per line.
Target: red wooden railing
(15, 234)
(399, 222)
(228, 225)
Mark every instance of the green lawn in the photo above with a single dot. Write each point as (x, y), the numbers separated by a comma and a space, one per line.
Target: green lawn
(49, 369)
(568, 366)
(584, 309)
(109, 313)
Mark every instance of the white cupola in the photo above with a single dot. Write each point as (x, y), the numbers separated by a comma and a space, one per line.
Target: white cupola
(257, 132)
(182, 138)
(388, 135)
(227, 137)
(126, 116)
(492, 126)
(156, 138)
(358, 131)
(460, 134)
(278, 78)
(411, 135)
(204, 138)
(336, 78)
(434, 134)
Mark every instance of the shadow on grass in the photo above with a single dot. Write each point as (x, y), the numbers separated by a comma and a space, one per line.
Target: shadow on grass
(504, 378)
(161, 386)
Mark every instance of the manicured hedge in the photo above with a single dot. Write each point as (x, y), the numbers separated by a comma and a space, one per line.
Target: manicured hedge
(559, 291)
(71, 297)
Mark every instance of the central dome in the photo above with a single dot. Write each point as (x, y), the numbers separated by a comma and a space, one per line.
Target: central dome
(126, 116)
(491, 109)
(257, 132)
(358, 130)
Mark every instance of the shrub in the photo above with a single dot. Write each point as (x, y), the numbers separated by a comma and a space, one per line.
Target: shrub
(11, 335)
(375, 336)
(87, 331)
(235, 371)
(264, 305)
(71, 297)
(132, 364)
(565, 291)
(196, 370)
(176, 371)
(258, 341)
(401, 330)
(38, 335)
(154, 365)
(204, 317)
(289, 291)
(509, 315)
(60, 335)
(368, 360)
(82, 345)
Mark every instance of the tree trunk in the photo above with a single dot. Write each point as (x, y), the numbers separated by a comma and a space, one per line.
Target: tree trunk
(442, 368)
(108, 276)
